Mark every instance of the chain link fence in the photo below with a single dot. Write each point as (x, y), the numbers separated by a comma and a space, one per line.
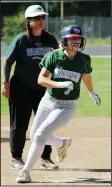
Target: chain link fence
(93, 27)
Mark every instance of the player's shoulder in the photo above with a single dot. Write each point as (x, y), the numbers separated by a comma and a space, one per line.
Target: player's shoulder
(54, 53)
(58, 53)
(84, 56)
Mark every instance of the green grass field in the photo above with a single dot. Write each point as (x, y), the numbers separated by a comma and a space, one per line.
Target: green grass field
(102, 84)
(97, 41)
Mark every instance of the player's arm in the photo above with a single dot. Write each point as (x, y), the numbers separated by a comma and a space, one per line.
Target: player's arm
(87, 79)
(45, 81)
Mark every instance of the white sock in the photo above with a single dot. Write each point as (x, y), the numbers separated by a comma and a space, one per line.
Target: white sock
(54, 140)
(34, 154)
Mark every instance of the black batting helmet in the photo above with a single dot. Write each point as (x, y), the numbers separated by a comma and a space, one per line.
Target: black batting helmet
(71, 31)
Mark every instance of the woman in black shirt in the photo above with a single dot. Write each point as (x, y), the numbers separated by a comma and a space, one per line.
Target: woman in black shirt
(23, 92)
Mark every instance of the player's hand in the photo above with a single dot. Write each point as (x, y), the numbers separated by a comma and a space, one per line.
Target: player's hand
(6, 90)
(95, 97)
(66, 84)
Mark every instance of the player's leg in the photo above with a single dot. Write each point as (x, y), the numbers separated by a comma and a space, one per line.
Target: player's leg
(43, 111)
(59, 117)
(46, 162)
(20, 112)
(56, 119)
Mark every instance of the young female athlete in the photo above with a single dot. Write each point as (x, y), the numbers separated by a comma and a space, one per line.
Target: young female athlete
(67, 66)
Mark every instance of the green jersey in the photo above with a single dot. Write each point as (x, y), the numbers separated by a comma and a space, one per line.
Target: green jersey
(64, 69)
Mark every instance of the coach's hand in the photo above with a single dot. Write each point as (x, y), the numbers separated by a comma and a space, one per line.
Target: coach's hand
(6, 90)
(95, 97)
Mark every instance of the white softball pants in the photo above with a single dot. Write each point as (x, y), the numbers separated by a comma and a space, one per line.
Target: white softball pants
(51, 115)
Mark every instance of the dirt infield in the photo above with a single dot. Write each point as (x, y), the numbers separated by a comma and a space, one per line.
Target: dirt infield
(88, 160)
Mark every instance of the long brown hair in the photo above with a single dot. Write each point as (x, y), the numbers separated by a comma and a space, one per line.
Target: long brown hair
(28, 31)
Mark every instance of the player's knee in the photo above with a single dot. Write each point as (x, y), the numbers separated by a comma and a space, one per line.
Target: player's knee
(40, 137)
(31, 135)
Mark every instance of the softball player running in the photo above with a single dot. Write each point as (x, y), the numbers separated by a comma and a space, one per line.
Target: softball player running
(67, 67)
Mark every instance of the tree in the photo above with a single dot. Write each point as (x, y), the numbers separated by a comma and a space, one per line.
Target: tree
(13, 25)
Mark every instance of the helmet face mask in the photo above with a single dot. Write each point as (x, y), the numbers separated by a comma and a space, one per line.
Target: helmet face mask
(73, 31)
(73, 43)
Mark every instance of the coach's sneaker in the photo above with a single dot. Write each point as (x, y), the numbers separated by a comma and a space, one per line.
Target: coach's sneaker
(48, 164)
(61, 152)
(23, 177)
(17, 164)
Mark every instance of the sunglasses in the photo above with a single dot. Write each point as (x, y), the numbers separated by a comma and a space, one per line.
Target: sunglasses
(39, 17)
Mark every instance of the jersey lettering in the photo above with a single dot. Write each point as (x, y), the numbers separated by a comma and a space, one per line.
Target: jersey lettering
(38, 51)
(59, 73)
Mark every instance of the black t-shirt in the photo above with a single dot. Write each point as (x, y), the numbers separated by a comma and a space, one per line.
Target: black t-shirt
(27, 55)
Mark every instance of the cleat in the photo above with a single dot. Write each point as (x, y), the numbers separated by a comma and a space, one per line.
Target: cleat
(61, 152)
(23, 177)
(48, 164)
(17, 164)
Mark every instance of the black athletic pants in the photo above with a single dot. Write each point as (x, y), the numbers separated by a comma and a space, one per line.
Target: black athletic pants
(22, 101)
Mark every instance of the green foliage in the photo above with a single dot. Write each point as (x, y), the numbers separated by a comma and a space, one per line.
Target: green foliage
(13, 25)
(53, 6)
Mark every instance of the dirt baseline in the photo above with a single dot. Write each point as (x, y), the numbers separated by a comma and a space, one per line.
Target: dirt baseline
(88, 160)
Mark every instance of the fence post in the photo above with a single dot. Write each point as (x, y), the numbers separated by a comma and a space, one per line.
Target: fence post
(47, 16)
(62, 13)
(99, 27)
